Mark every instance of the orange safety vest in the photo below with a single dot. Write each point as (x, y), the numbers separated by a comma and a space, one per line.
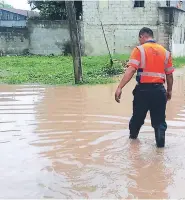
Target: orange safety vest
(153, 64)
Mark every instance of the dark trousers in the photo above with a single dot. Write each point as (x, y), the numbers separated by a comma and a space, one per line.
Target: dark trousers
(148, 97)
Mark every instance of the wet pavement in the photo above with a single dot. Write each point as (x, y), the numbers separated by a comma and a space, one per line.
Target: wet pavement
(72, 142)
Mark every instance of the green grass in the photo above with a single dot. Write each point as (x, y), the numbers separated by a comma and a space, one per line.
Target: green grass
(179, 62)
(58, 70)
(54, 70)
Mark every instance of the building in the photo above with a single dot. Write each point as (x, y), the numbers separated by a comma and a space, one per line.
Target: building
(123, 19)
(10, 17)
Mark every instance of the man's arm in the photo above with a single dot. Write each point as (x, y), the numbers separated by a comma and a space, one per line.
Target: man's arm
(169, 69)
(127, 76)
(169, 80)
(133, 65)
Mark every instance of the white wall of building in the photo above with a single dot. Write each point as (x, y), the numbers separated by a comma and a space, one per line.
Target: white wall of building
(121, 22)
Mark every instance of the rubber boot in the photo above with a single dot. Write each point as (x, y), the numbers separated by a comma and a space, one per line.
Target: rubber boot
(160, 138)
(134, 134)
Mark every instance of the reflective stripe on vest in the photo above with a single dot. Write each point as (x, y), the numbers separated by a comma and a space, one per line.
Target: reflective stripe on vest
(142, 52)
(152, 74)
(133, 61)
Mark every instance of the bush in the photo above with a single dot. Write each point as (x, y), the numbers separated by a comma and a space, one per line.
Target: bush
(66, 49)
(116, 69)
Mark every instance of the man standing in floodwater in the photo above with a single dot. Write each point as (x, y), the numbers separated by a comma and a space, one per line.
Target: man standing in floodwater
(153, 63)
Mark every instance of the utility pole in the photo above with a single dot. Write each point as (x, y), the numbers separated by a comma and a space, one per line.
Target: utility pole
(75, 40)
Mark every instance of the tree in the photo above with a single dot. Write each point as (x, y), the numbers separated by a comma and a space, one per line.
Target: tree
(63, 10)
(5, 5)
(54, 10)
(75, 41)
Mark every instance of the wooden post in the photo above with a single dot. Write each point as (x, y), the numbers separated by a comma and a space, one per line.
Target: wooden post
(75, 40)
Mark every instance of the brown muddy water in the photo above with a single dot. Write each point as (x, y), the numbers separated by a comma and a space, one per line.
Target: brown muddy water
(72, 142)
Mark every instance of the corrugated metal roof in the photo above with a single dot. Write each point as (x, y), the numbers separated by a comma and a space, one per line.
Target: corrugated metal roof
(26, 13)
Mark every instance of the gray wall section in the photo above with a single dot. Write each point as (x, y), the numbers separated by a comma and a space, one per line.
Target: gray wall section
(172, 30)
(178, 33)
(40, 38)
(14, 41)
(48, 37)
(164, 27)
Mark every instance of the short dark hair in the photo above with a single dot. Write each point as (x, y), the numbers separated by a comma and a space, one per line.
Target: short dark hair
(147, 31)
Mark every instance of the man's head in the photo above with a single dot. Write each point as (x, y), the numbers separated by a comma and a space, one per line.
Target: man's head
(145, 34)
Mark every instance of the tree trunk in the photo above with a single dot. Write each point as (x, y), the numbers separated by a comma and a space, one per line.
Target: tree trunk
(75, 40)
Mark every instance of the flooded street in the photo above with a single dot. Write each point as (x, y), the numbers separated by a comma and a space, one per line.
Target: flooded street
(72, 142)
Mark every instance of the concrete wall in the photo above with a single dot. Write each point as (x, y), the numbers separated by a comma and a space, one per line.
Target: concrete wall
(47, 37)
(14, 41)
(172, 30)
(40, 38)
(121, 23)
(178, 33)
(164, 27)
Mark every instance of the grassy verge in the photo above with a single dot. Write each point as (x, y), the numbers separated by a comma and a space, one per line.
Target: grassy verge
(179, 62)
(59, 70)
(56, 70)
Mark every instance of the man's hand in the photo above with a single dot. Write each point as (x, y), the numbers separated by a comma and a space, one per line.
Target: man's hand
(169, 95)
(126, 78)
(118, 94)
